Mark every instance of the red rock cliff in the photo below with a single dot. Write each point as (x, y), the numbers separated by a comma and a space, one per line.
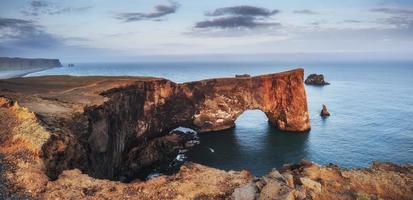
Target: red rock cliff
(280, 96)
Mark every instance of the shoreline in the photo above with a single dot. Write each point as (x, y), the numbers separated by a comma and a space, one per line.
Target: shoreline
(20, 73)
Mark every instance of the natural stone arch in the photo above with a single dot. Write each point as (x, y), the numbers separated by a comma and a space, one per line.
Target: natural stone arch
(280, 96)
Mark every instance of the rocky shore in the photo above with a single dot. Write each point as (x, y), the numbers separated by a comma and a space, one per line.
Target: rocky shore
(26, 179)
(65, 137)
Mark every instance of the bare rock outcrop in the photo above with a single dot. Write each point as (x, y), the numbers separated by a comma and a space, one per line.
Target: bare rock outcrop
(307, 180)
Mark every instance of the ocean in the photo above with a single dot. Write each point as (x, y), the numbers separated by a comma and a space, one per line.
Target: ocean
(371, 106)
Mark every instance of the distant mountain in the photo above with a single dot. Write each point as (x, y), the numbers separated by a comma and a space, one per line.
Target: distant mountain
(27, 63)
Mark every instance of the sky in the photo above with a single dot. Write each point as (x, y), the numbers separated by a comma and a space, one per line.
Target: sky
(133, 30)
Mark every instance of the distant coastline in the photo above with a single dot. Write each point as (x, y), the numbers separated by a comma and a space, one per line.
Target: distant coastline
(18, 67)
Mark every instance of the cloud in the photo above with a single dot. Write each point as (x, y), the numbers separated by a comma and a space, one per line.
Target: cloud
(399, 18)
(400, 22)
(69, 9)
(238, 17)
(243, 11)
(305, 12)
(24, 33)
(233, 22)
(38, 7)
(158, 12)
(38, 4)
(351, 21)
(393, 10)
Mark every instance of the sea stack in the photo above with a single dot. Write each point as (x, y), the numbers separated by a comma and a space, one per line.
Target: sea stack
(324, 112)
(316, 79)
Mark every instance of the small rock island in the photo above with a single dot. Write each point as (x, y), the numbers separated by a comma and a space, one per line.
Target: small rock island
(324, 112)
(316, 79)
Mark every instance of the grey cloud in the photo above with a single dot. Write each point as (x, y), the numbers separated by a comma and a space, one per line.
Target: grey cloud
(69, 9)
(400, 18)
(247, 17)
(243, 10)
(393, 10)
(352, 21)
(24, 33)
(38, 4)
(158, 12)
(233, 22)
(401, 22)
(305, 12)
(13, 23)
(39, 7)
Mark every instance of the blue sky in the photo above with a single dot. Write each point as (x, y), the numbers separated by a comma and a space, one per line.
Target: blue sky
(91, 30)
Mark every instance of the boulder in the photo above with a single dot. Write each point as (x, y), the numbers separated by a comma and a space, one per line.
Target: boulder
(247, 192)
(274, 190)
(312, 187)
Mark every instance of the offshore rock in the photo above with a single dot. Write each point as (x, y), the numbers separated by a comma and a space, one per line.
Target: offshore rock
(324, 112)
(316, 79)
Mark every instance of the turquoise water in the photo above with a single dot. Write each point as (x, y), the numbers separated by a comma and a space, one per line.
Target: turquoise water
(371, 106)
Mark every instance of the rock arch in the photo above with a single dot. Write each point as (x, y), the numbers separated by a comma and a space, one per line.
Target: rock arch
(280, 96)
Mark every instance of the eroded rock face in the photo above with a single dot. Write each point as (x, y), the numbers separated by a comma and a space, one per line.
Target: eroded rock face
(102, 125)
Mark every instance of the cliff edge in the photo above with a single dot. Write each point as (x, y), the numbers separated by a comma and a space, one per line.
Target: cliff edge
(60, 135)
(108, 120)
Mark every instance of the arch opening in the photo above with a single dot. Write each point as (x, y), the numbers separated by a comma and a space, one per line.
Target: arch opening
(251, 118)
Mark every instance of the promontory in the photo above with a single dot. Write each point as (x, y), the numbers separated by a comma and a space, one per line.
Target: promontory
(59, 135)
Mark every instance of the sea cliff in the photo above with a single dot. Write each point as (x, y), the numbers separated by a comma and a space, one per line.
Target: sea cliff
(15, 67)
(27, 63)
(60, 135)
